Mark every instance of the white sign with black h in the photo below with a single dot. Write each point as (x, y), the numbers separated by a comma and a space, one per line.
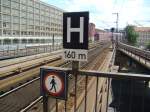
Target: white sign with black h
(80, 30)
(75, 36)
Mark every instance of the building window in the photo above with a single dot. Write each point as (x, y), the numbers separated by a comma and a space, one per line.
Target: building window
(30, 9)
(30, 33)
(23, 27)
(42, 23)
(30, 21)
(15, 12)
(31, 27)
(6, 18)
(47, 13)
(6, 10)
(15, 5)
(6, 25)
(15, 0)
(43, 28)
(42, 18)
(37, 22)
(0, 24)
(37, 11)
(47, 29)
(23, 7)
(42, 34)
(23, 33)
(23, 14)
(30, 40)
(6, 32)
(37, 17)
(23, 20)
(42, 12)
(16, 27)
(47, 19)
(37, 27)
(23, 1)
(37, 40)
(37, 5)
(42, 40)
(24, 41)
(16, 19)
(15, 41)
(30, 2)
(6, 2)
(30, 15)
(37, 33)
(42, 7)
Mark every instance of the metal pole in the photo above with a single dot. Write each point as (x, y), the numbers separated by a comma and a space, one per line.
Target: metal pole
(53, 42)
(86, 83)
(45, 103)
(56, 105)
(75, 68)
(97, 80)
(117, 19)
(108, 90)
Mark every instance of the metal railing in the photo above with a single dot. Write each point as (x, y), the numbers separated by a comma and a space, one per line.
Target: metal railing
(17, 92)
(5, 54)
(124, 92)
(142, 54)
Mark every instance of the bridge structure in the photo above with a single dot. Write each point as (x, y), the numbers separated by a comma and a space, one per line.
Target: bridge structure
(101, 89)
(139, 55)
(108, 90)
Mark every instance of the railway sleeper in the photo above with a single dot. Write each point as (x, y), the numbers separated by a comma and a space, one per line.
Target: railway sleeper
(17, 70)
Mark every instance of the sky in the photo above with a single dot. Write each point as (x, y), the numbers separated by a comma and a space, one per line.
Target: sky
(135, 12)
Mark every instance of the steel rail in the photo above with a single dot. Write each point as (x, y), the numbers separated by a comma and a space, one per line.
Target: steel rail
(17, 88)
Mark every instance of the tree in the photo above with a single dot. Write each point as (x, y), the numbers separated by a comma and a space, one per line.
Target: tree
(131, 35)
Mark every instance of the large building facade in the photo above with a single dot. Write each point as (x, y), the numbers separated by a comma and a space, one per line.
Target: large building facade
(144, 35)
(102, 35)
(91, 31)
(29, 19)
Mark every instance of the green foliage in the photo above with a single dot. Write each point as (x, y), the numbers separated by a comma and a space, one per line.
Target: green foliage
(131, 35)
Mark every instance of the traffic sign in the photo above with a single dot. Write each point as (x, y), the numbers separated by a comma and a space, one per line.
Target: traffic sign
(75, 35)
(54, 83)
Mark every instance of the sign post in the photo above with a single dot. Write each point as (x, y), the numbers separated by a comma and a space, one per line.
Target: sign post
(75, 41)
(75, 35)
(53, 83)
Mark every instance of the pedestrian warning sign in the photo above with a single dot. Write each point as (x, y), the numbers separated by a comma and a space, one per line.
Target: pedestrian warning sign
(54, 83)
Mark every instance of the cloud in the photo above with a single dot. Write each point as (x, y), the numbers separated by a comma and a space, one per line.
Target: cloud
(101, 10)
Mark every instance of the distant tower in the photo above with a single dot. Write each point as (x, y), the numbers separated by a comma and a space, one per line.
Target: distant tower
(91, 31)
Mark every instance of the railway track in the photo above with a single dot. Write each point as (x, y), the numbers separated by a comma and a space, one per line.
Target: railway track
(9, 62)
(27, 94)
(15, 73)
(95, 62)
(15, 68)
(12, 67)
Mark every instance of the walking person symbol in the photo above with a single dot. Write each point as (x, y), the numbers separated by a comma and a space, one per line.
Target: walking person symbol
(53, 84)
